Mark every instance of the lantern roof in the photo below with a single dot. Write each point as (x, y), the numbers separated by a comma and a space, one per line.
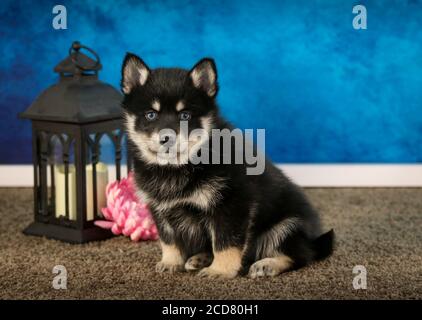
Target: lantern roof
(79, 96)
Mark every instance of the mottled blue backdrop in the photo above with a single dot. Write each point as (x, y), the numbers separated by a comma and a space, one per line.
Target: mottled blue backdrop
(323, 91)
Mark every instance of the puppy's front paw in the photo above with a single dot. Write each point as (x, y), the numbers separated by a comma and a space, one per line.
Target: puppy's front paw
(167, 267)
(211, 272)
(198, 261)
(262, 269)
(269, 267)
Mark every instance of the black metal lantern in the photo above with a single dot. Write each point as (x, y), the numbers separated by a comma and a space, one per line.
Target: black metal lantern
(69, 120)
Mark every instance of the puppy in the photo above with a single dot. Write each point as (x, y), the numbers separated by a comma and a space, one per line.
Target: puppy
(212, 217)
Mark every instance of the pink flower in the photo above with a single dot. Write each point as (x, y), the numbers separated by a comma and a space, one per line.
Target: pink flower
(125, 213)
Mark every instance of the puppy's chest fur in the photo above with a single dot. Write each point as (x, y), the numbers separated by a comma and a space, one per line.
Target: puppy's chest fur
(165, 191)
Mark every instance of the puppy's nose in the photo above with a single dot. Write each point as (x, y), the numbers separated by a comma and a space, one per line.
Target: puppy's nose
(167, 139)
(164, 139)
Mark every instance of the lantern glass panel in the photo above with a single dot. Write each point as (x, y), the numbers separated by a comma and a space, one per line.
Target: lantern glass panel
(105, 154)
(98, 173)
(55, 186)
(62, 177)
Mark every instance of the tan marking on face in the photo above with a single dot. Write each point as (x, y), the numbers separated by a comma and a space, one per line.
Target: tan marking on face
(141, 140)
(156, 105)
(180, 106)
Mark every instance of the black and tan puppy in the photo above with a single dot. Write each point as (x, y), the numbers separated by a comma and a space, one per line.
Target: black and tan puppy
(211, 217)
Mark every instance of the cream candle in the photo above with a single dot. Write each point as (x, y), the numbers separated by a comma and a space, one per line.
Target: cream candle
(59, 180)
(102, 180)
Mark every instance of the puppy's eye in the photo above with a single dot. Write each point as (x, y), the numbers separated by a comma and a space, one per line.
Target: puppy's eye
(151, 115)
(184, 115)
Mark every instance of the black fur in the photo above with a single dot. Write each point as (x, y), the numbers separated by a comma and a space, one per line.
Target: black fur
(274, 196)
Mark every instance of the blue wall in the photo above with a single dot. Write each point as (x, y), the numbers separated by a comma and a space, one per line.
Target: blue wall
(323, 91)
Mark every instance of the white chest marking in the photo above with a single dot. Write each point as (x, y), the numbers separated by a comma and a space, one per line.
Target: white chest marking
(204, 197)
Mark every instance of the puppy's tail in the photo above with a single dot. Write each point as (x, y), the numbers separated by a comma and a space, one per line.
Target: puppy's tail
(324, 245)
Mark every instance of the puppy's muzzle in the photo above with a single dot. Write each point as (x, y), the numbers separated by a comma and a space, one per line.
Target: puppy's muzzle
(168, 140)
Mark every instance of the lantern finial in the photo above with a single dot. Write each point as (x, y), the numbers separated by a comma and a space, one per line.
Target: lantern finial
(76, 45)
(80, 60)
(78, 63)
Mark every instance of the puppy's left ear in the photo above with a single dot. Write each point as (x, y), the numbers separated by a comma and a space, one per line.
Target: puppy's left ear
(204, 76)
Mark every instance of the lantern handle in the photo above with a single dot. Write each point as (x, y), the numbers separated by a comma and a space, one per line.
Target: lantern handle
(76, 46)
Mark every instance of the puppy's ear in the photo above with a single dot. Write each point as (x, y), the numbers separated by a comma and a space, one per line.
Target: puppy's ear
(134, 72)
(204, 76)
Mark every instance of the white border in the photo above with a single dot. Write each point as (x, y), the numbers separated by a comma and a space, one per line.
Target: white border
(306, 175)
(355, 175)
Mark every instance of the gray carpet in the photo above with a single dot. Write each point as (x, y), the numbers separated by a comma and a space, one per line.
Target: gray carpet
(377, 228)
